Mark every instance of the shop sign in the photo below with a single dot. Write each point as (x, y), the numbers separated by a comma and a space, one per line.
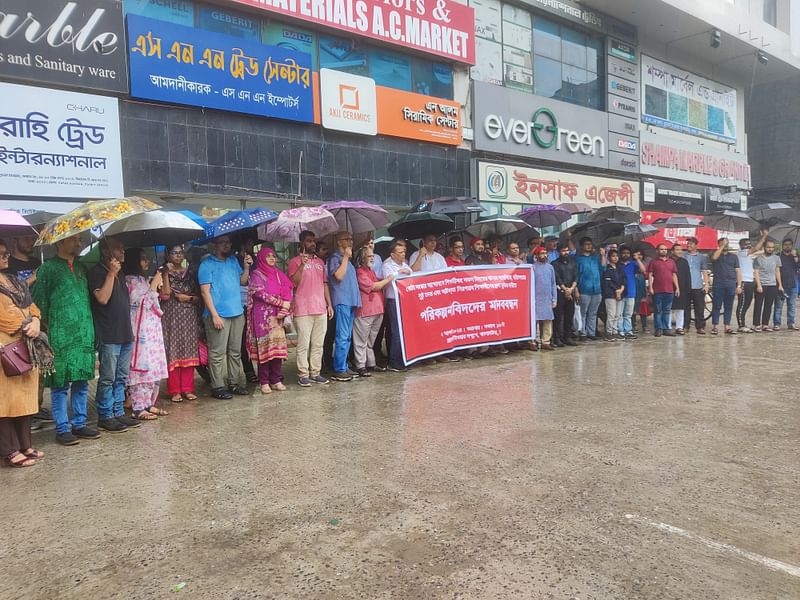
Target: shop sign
(623, 143)
(623, 125)
(517, 123)
(618, 161)
(622, 69)
(417, 117)
(524, 185)
(444, 28)
(79, 43)
(623, 106)
(622, 50)
(59, 144)
(348, 102)
(572, 11)
(672, 158)
(674, 196)
(722, 199)
(180, 12)
(623, 87)
(682, 101)
(226, 22)
(172, 63)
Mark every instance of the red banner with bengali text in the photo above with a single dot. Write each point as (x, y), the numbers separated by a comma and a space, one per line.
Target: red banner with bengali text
(464, 307)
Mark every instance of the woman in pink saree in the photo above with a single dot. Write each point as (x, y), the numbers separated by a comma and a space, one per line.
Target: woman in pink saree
(269, 300)
(148, 361)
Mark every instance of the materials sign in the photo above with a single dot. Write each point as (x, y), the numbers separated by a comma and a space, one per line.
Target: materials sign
(441, 27)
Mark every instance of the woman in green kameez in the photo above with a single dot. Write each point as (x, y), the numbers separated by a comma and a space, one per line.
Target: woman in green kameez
(62, 293)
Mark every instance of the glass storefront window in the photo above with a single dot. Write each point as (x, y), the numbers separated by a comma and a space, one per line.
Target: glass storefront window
(433, 79)
(568, 64)
(390, 69)
(342, 54)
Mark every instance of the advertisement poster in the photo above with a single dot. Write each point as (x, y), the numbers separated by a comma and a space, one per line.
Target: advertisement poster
(418, 117)
(348, 102)
(78, 43)
(682, 101)
(444, 28)
(523, 185)
(59, 144)
(180, 12)
(228, 22)
(464, 307)
(183, 65)
(291, 39)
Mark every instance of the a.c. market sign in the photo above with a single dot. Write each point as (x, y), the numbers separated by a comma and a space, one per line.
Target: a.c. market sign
(554, 130)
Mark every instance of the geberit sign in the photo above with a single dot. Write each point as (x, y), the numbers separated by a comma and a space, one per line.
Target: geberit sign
(670, 158)
(442, 27)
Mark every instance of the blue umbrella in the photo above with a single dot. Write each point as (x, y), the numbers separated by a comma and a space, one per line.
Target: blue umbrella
(238, 220)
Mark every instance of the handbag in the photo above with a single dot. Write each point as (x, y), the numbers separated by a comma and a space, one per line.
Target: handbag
(15, 358)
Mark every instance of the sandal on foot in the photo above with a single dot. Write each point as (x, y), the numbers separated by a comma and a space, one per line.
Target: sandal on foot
(714, 331)
(265, 389)
(278, 387)
(33, 453)
(730, 331)
(191, 397)
(176, 398)
(144, 415)
(24, 462)
(159, 412)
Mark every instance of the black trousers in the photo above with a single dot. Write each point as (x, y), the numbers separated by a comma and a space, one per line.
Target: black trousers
(15, 434)
(247, 362)
(393, 335)
(745, 299)
(762, 310)
(697, 298)
(562, 317)
(383, 333)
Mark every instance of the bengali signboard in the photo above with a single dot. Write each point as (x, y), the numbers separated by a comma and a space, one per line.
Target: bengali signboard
(663, 156)
(674, 197)
(78, 43)
(676, 99)
(464, 307)
(414, 116)
(523, 185)
(443, 28)
(59, 144)
(183, 65)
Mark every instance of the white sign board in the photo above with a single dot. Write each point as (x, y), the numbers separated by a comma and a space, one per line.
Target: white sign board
(59, 144)
(348, 102)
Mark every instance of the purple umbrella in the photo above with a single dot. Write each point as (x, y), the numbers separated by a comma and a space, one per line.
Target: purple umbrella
(290, 222)
(12, 224)
(576, 208)
(356, 216)
(544, 215)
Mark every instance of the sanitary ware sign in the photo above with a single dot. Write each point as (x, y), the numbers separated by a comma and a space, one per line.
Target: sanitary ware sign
(183, 65)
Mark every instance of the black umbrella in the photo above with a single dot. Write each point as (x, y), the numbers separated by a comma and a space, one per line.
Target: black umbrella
(451, 205)
(615, 213)
(633, 232)
(598, 231)
(383, 246)
(787, 231)
(416, 225)
(773, 211)
(730, 220)
(677, 222)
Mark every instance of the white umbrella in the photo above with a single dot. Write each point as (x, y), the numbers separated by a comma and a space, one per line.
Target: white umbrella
(155, 228)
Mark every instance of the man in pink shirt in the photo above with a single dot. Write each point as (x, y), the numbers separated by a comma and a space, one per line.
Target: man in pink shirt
(662, 273)
(312, 309)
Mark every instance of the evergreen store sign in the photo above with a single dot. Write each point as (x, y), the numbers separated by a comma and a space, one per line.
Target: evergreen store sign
(78, 43)
(555, 131)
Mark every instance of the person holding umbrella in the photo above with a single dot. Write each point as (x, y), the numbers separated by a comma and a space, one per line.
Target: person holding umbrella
(220, 277)
(345, 298)
(62, 294)
(111, 309)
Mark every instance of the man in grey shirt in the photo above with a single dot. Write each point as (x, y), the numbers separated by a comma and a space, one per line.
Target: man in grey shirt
(767, 277)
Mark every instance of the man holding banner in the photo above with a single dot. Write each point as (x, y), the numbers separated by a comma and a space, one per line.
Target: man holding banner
(395, 266)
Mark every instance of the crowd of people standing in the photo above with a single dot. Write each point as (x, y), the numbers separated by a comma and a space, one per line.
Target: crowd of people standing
(231, 314)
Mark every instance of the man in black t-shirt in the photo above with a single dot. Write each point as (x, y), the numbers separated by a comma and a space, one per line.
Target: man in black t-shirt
(726, 286)
(22, 262)
(112, 322)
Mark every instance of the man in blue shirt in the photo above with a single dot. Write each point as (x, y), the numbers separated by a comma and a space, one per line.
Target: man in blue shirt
(590, 265)
(219, 277)
(345, 298)
(630, 266)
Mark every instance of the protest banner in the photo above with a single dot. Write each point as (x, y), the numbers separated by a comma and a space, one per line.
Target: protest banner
(464, 307)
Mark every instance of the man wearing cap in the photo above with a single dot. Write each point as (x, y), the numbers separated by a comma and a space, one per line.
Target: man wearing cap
(477, 256)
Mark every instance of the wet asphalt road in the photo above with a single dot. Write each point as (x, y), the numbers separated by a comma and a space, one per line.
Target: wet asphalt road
(659, 469)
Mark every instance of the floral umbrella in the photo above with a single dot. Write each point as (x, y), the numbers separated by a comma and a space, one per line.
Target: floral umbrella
(93, 214)
(357, 216)
(289, 224)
